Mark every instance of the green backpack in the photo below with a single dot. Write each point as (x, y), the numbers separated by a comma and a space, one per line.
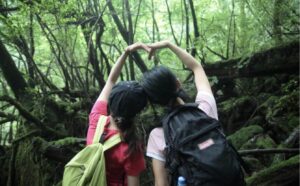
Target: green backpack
(87, 168)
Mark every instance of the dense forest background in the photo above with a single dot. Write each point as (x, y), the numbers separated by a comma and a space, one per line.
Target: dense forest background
(55, 57)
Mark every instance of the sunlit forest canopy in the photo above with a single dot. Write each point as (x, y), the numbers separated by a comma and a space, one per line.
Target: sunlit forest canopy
(75, 32)
(55, 56)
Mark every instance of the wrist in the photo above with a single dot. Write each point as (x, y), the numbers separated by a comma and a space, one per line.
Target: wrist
(168, 44)
(127, 51)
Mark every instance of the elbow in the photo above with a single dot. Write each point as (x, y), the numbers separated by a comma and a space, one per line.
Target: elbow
(197, 67)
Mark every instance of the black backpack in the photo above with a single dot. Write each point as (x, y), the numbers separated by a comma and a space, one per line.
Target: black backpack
(197, 149)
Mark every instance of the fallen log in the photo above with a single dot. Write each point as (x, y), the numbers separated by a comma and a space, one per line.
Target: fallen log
(60, 150)
(278, 60)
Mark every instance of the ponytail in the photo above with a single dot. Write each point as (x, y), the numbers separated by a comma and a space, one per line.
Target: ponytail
(129, 134)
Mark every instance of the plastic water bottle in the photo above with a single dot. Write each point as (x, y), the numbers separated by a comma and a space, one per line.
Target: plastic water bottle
(181, 181)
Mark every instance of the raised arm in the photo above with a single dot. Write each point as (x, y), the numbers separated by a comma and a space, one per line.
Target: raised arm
(116, 70)
(113, 77)
(190, 62)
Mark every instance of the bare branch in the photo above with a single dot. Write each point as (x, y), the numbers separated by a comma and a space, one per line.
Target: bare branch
(8, 9)
(267, 151)
(170, 22)
(5, 121)
(216, 53)
(9, 116)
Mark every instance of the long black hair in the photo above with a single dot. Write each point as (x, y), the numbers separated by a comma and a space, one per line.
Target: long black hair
(160, 85)
(125, 101)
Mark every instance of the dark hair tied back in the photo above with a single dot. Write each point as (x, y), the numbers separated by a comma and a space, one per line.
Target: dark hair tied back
(127, 99)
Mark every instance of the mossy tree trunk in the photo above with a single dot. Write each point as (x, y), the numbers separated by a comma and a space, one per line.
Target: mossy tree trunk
(27, 165)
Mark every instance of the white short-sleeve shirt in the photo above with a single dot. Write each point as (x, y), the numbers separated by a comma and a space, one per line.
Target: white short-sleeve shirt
(156, 142)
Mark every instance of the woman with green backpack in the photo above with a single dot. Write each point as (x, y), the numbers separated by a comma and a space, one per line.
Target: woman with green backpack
(121, 102)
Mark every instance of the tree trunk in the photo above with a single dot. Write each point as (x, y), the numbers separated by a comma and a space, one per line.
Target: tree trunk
(26, 167)
(11, 73)
(137, 58)
(277, 16)
(243, 27)
(130, 38)
(195, 23)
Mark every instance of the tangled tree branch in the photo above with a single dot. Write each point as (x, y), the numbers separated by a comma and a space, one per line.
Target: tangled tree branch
(9, 116)
(58, 150)
(29, 116)
(25, 113)
(5, 121)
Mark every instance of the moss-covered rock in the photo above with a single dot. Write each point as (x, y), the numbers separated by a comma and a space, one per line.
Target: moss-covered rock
(265, 142)
(288, 124)
(228, 106)
(235, 111)
(260, 142)
(284, 173)
(243, 135)
(253, 164)
(283, 126)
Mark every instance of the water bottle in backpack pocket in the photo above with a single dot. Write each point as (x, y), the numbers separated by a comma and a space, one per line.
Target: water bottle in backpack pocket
(181, 181)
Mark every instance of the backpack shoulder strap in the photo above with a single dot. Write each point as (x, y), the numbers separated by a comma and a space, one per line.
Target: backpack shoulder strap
(112, 141)
(178, 109)
(242, 162)
(172, 113)
(100, 127)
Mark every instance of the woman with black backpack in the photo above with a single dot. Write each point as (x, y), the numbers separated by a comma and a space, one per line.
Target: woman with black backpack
(121, 102)
(163, 88)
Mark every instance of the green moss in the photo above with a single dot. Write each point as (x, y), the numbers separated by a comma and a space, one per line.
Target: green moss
(253, 163)
(283, 126)
(293, 122)
(280, 106)
(67, 141)
(260, 142)
(227, 105)
(265, 142)
(283, 173)
(243, 135)
(25, 161)
(233, 103)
